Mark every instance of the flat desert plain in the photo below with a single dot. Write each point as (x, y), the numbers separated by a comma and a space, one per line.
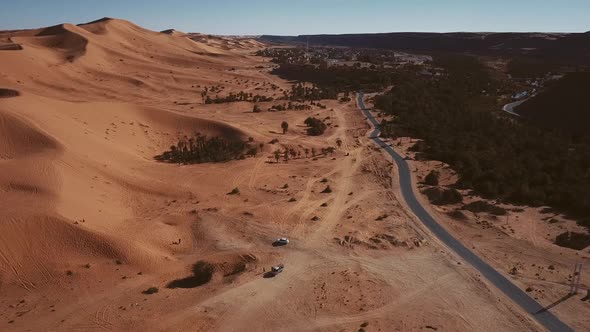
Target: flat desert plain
(89, 220)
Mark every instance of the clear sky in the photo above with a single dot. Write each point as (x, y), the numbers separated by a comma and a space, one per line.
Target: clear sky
(293, 17)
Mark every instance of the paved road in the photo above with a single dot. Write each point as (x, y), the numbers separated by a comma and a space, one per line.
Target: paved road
(510, 107)
(545, 318)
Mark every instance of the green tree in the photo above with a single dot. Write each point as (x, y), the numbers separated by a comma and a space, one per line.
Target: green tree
(432, 178)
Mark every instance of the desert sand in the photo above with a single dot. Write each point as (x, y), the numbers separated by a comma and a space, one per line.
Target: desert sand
(90, 220)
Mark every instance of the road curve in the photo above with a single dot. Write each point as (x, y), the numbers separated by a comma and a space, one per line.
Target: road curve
(544, 317)
(510, 107)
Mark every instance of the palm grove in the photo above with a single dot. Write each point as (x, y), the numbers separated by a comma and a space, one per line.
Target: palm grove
(497, 156)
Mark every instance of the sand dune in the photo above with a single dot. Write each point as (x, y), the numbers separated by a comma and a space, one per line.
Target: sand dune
(18, 138)
(55, 145)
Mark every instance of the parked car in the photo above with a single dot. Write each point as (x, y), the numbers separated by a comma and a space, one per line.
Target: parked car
(277, 269)
(281, 242)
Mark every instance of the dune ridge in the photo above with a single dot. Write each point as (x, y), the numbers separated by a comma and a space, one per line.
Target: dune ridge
(82, 95)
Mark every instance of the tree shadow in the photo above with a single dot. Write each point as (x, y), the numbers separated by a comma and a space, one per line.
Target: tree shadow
(554, 304)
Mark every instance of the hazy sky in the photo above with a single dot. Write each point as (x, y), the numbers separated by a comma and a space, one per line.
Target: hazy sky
(292, 17)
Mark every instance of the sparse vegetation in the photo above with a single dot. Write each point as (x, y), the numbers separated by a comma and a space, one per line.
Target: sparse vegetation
(7, 93)
(315, 126)
(443, 196)
(151, 290)
(573, 240)
(457, 215)
(202, 274)
(235, 97)
(483, 206)
(381, 217)
(203, 149)
(432, 178)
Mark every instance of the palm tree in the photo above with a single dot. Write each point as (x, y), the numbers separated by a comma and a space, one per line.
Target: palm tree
(285, 126)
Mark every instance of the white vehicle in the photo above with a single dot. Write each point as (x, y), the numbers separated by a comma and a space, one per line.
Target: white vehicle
(277, 269)
(282, 241)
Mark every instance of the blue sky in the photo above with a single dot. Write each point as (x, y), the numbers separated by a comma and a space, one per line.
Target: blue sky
(292, 17)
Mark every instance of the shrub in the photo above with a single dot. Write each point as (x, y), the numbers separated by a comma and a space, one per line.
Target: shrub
(432, 178)
(315, 126)
(457, 215)
(573, 240)
(151, 290)
(483, 206)
(202, 274)
(443, 196)
(252, 151)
